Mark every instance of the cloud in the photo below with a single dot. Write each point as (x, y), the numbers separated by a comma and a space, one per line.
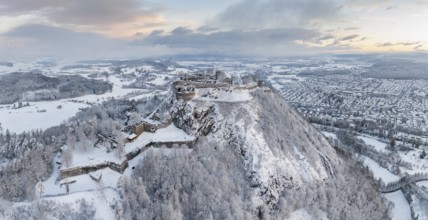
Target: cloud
(390, 7)
(118, 18)
(231, 42)
(180, 31)
(366, 4)
(390, 44)
(326, 37)
(349, 37)
(81, 12)
(184, 37)
(351, 28)
(254, 14)
(47, 41)
(34, 41)
(418, 47)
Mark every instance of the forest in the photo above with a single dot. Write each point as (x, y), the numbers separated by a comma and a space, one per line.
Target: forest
(29, 86)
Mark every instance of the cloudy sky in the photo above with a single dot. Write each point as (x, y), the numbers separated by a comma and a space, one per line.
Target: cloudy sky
(86, 29)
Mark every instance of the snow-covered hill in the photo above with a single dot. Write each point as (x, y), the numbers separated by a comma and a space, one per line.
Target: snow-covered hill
(280, 150)
(254, 158)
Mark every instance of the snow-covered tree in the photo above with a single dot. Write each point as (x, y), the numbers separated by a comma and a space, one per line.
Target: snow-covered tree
(40, 189)
(134, 118)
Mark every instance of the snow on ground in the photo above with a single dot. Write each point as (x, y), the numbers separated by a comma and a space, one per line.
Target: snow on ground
(170, 133)
(418, 165)
(380, 172)
(329, 134)
(51, 186)
(83, 182)
(27, 118)
(379, 146)
(159, 80)
(418, 209)
(98, 155)
(423, 184)
(101, 199)
(5, 69)
(302, 214)
(401, 210)
(92, 156)
(267, 164)
(103, 193)
(222, 95)
(117, 92)
(179, 71)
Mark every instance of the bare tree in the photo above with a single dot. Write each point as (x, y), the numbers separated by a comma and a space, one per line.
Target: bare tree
(67, 157)
(120, 148)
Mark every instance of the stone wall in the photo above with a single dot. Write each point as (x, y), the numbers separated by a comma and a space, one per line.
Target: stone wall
(185, 96)
(120, 168)
(139, 129)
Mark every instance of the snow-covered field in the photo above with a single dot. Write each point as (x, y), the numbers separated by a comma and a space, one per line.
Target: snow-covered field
(418, 165)
(27, 118)
(380, 172)
(401, 210)
(379, 146)
(329, 134)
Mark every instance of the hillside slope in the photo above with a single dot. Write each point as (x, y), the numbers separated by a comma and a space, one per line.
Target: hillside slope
(255, 158)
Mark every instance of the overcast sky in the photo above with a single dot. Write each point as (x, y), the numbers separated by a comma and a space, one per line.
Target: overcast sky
(87, 29)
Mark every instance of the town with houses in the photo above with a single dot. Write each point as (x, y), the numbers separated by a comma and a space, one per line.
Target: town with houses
(379, 105)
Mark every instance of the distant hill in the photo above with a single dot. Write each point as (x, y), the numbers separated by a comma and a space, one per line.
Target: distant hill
(398, 69)
(35, 87)
(8, 64)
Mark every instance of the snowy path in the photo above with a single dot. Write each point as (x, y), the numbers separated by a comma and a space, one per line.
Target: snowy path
(380, 172)
(401, 210)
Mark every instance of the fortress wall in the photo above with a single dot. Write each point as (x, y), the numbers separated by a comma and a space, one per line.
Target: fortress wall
(120, 168)
(185, 96)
